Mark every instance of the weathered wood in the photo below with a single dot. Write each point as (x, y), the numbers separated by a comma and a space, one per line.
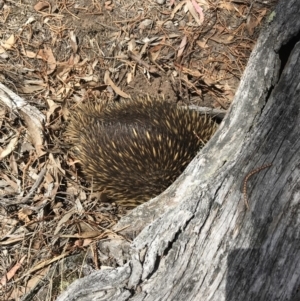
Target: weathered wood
(201, 242)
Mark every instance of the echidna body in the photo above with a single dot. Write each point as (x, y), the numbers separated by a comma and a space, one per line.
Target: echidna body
(133, 150)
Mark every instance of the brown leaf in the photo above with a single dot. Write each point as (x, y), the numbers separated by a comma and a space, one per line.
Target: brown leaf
(2, 50)
(199, 10)
(89, 234)
(23, 215)
(182, 46)
(194, 13)
(226, 5)
(13, 164)
(108, 81)
(11, 183)
(34, 134)
(9, 43)
(73, 41)
(177, 8)
(43, 264)
(63, 220)
(48, 56)
(36, 278)
(253, 22)
(41, 5)
(9, 148)
(32, 54)
(185, 70)
(32, 86)
(11, 273)
(202, 44)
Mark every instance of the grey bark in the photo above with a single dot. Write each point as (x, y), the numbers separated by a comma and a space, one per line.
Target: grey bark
(201, 242)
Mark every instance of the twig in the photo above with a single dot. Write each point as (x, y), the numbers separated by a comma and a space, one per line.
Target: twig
(34, 186)
(142, 63)
(246, 200)
(220, 113)
(27, 198)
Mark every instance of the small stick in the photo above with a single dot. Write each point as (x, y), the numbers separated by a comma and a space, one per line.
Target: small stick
(246, 200)
(142, 63)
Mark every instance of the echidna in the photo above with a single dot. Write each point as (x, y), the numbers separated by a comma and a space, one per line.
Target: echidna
(134, 149)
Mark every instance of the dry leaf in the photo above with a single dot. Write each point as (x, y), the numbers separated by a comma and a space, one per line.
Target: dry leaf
(226, 5)
(202, 44)
(78, 243)
(37, 277)
(253, 22)
(45, 263)
(203, 3)
(131, 45)
(108, 81)
(10, 147)
(48, 56)
(2, 115)
(177, 8)
(87, 242)
(194, 13)
(145, 24)
(182, 46)
(63, 220)
(32, 54)
(41, 5)
(11, 183)
(9, 43)
(54, 165)
(129, 77)
(13, 165)
(108, 5)
(2, 50)
(199, 10)
(12, 240)
(73, 41)
(63, 72)
(31, 89)
(30, 20)
(53, 108)
(35, 134)
(191, 85)
(227, 41)
(23, 215)
(89, 234)
(185, 70)
(11, 273)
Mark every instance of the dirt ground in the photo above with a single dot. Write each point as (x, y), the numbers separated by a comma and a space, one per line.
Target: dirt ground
(57, 54)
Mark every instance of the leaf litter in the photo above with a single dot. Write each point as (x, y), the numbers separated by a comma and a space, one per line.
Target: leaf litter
(55, 55)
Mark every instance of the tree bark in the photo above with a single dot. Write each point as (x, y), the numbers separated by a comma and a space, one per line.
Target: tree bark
(201, 242)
